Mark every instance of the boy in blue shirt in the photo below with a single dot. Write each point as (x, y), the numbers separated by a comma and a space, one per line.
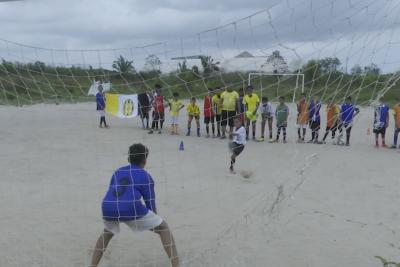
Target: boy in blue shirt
(130, 199)
(314, 119)
(347, 114)
(100, 106)
(381, 122)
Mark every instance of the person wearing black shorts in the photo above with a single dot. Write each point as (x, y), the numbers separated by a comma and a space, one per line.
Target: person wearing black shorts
(229, 107)
(227, 118)
(144, 109)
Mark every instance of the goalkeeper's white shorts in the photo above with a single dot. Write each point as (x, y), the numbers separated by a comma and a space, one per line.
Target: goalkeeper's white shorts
(147, 222)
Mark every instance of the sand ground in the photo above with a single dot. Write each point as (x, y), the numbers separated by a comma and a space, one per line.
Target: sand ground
(306, 205)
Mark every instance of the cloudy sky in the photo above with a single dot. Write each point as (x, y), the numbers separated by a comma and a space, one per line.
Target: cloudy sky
(356, 31)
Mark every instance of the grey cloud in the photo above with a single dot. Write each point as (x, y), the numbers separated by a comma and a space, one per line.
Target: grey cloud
(309, 28)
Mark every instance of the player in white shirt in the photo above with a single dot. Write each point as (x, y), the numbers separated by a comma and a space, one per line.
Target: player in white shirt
(238, 141)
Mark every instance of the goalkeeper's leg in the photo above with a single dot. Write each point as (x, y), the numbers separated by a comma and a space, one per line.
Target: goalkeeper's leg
(100, 247)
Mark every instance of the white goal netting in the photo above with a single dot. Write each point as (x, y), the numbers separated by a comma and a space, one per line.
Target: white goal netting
(303, 205)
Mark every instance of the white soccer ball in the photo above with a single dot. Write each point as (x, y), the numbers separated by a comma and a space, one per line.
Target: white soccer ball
(246, 174)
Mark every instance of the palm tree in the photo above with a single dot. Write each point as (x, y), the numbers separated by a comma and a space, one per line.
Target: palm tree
(123, 66)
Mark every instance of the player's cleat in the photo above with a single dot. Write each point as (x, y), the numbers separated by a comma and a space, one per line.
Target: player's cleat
(188, 133)
(271, 140)
(223, 137)
(284, 141)
(151, 131)
(100, 126)
(159, 132)
(107, 126)
(393, 146)
(260, 139)
(232, 170)
(254, 138)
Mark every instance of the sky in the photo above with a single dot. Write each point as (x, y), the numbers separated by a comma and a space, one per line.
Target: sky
(356, 31)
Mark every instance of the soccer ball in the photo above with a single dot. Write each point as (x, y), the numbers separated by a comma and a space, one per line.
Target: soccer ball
(246, 174)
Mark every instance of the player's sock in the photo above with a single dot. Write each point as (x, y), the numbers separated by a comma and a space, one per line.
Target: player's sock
(232, 164)
(188, 132)
(198, 132)
(284, 134)
(207, 129)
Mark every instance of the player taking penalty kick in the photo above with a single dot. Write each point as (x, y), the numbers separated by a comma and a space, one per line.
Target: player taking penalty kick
(129, 186)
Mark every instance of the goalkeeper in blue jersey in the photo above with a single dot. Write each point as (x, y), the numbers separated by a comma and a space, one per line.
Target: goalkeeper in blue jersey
(130, 200)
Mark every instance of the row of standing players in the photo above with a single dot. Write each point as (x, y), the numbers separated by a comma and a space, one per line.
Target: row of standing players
(222, 106)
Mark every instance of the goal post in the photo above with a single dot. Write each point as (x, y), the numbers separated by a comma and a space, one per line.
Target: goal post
(299, 83)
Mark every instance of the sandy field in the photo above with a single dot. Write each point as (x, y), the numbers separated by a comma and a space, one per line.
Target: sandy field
(306, 205)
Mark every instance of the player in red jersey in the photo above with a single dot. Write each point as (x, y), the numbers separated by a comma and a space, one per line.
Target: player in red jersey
(209, 116)
(158, 111)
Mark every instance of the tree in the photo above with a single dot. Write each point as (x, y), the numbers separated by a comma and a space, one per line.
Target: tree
(372, 69)
(356, 70)
(123, 66)
(153, 63)
(329, 64)
(209, 65)
(195, 70)
(278, 63)
(182, 66)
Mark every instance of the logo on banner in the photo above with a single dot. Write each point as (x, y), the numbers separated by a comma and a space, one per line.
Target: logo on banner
(128, 108)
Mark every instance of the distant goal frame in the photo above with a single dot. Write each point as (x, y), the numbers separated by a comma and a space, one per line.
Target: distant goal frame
(297, 75)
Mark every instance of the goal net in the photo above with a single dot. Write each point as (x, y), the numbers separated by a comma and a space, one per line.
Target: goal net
(57, 162)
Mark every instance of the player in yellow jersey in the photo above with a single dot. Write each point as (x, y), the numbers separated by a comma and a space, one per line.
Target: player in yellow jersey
(175, 106)
(217, 108)
(193, 111)
(229, 107)
(251, 102)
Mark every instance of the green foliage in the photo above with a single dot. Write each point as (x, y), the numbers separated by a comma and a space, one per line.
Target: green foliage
(386, 263)
(123, 66)
(37, 82)
(183, 67)
(153, 63)
(209, 65)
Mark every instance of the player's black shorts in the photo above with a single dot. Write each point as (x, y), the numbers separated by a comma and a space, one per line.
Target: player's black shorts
(228, 117)
(380, 130)
(236, 148)
(144, 112)
(211, 119)
(158, 116)
(314, 125)
(333, 128)
(195, 117)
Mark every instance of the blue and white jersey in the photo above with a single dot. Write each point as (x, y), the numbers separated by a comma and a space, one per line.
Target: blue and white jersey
(314, 110)
(347, 113)
(130, 195)
(380, 116)
(100, 103)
